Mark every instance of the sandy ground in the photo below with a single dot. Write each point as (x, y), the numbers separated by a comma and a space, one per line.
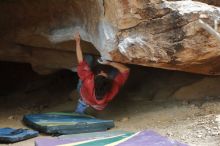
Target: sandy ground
(192, 123)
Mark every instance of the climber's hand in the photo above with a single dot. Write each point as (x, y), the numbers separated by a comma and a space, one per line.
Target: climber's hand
(103, 61)
(77, 37)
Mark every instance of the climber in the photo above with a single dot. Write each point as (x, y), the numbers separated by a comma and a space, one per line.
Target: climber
(96, 90)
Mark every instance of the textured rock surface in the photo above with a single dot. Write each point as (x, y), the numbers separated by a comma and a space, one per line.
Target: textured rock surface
(167, 36)
(41, 32)
(211, 2)
(154, 33)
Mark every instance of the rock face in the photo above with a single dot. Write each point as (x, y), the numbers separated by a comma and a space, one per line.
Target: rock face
(166, 35)
(153, 33)
(211, 2)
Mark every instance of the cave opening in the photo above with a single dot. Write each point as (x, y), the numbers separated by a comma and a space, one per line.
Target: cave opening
(21, 86)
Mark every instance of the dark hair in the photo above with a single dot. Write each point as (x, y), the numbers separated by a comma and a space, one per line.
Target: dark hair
(102, 86)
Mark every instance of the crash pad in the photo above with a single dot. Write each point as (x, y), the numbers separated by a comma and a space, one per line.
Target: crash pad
(73, 138)
(149, 138)
(10, 135)
(66, 123)
(94, 134)
(110, 138)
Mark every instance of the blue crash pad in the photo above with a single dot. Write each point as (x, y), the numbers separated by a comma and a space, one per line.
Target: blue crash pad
(10, 135)
(66, 123)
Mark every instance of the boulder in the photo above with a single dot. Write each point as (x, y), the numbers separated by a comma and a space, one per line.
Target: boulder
(152, 33)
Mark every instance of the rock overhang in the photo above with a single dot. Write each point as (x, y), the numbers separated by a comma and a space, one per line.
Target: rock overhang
(161, 34)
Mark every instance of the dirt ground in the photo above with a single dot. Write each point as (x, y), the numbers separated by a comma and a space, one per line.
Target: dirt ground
(196, 123)
(192, 123)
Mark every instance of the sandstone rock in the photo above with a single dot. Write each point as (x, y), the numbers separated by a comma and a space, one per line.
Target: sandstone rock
(11, 117)
(211, 2)
(153, 33)
(124, 119)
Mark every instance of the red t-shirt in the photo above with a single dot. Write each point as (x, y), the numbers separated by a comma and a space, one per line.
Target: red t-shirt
(87, 89)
